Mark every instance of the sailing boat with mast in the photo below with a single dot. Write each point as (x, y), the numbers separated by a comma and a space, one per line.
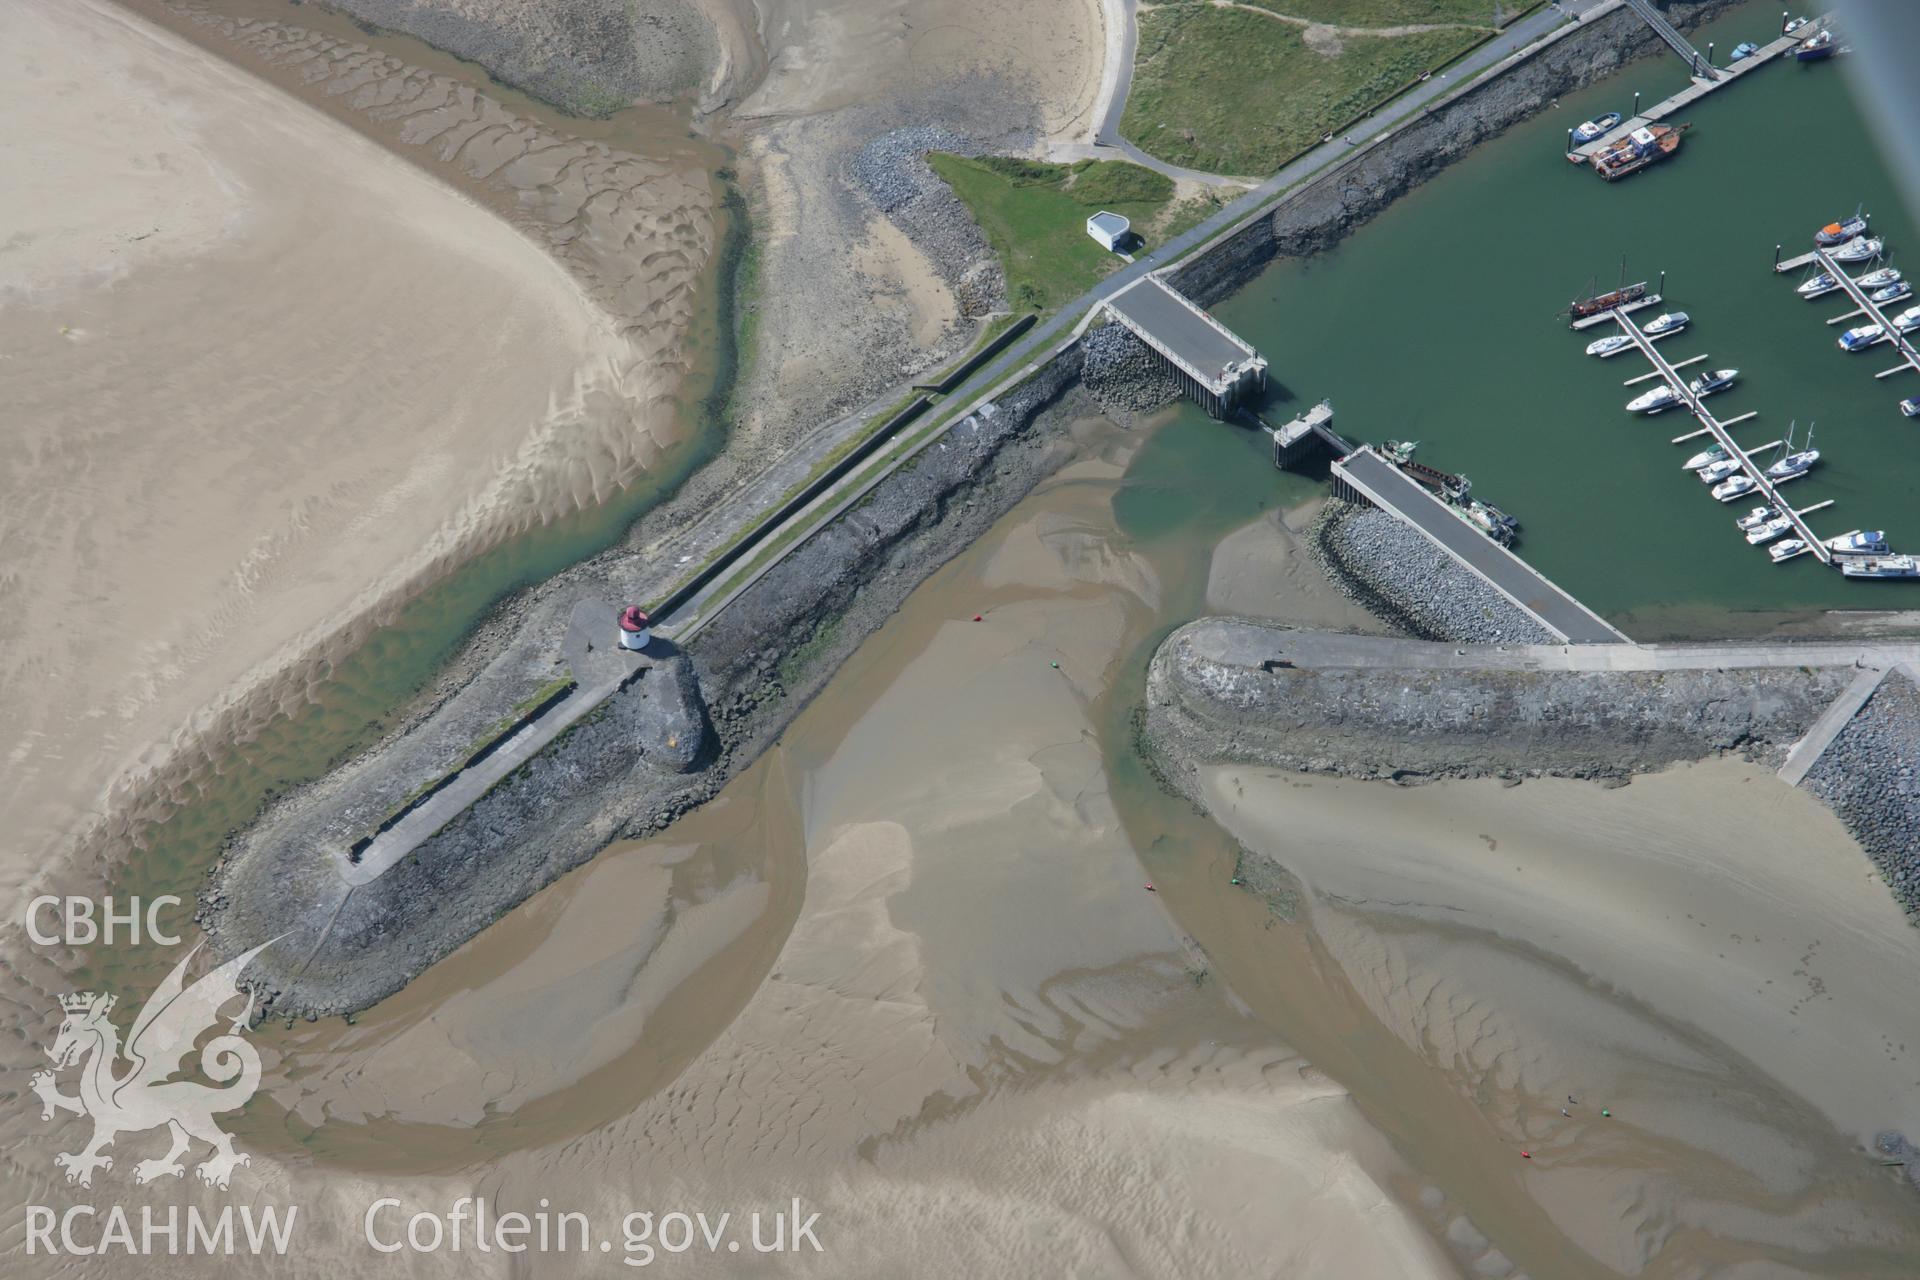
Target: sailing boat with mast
(1598, 303)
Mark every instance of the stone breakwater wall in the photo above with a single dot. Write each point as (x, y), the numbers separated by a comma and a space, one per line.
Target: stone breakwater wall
(662, 746)
(1333, 205)
(1122, 373)
(1870, 776)
(1412, 724)
(1390, 568)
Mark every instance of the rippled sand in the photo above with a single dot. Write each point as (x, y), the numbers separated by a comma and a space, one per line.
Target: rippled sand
(265, 377)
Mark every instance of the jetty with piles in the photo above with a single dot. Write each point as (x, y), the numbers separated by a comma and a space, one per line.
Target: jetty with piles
(1214, 365)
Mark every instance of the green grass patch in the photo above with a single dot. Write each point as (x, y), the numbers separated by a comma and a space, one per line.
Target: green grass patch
(1034, 215)
(1394, 13)
(1229, 91)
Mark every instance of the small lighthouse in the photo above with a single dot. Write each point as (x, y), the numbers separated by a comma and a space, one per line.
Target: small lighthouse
(634, 628)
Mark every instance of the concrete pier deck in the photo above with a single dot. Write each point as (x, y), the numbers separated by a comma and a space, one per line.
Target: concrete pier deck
(1389, 488)
(600, 668)
(1215, 362)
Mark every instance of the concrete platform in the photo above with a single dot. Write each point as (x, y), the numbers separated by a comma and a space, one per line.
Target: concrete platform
(1389, 488)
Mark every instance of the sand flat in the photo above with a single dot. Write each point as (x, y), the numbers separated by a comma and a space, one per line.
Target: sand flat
(259, 374)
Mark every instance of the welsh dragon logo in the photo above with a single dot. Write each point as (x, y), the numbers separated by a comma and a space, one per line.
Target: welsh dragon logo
(143, 1097)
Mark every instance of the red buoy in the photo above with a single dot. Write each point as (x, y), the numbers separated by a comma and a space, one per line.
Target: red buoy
(1526, 1155)
(1151, 889)
(976, 617)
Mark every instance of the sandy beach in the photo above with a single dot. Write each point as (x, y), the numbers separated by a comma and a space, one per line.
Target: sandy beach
(266, 379)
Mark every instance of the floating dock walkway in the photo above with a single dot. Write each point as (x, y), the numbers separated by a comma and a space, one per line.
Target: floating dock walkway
(1719, 78)
(1889, 331)
(1366, 475)
(1763, 487)
(1215, 366)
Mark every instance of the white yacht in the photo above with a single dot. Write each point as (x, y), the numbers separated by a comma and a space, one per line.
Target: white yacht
(1859, 542)
(1881, 567)
(1899, 291)
(1786, 550)
(1734, 487)
(1608, 345)
(1715, 472)
(1793, 465)
(1907, 321)
(1757, 516)
(1819, 286)
(1704, 458)
(1861, 338)
(1708, 383)
(1879, 279)
(1661, 397)
(1667, 322)
(1858, 250)
(1767, 532)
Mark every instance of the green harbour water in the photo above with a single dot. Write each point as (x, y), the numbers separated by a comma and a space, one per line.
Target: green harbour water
(1436, 322)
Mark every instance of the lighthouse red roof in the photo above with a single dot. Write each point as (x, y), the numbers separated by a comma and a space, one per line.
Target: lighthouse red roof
(633, 618)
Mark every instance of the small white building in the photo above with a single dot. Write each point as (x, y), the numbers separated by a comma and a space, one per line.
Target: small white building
(1110, 229)
(636, 629)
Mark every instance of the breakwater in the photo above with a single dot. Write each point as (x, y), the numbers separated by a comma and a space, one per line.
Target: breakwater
(1396, 715)
(659, 748)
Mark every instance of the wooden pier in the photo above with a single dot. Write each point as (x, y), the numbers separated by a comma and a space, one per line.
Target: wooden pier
(1764, 488)
(1699, 88)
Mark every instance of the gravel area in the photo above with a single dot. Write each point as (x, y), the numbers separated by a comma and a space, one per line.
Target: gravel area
(892, 170)
(1396, 574)
(1870, 776)
(1122, 373)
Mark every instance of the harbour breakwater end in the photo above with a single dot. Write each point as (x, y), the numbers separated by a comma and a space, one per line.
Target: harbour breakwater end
(1222, 690)
(658, 748)
(1869, 774)
(1331, 206)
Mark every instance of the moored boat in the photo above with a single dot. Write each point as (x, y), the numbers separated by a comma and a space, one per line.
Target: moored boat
(1596, 127)
(1842, 231)
(1857, 542)
(1880, 567)
(1882, 276)
(1734, 487)
(1647, 145)
(1777, 527)
(1704, 458)
(1859, 250)
(1708, 383)
(1654, 401)
(1757, 516)
(1786, 550)
(1819, 286)
(1793, 466)
(1861, 338)
(1608, 345)
(1667, 322)
(1898, 292)
(1907, 321)
(1718, 470)
(1911, 406)
(1595, 303)
(1742, 51)
(1815, 47)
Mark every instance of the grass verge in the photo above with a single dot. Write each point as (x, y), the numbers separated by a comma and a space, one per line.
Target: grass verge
(1034, 215)
(1230, 91)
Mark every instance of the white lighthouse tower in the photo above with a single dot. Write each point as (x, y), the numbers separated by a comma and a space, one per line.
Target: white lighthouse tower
(635, 629)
